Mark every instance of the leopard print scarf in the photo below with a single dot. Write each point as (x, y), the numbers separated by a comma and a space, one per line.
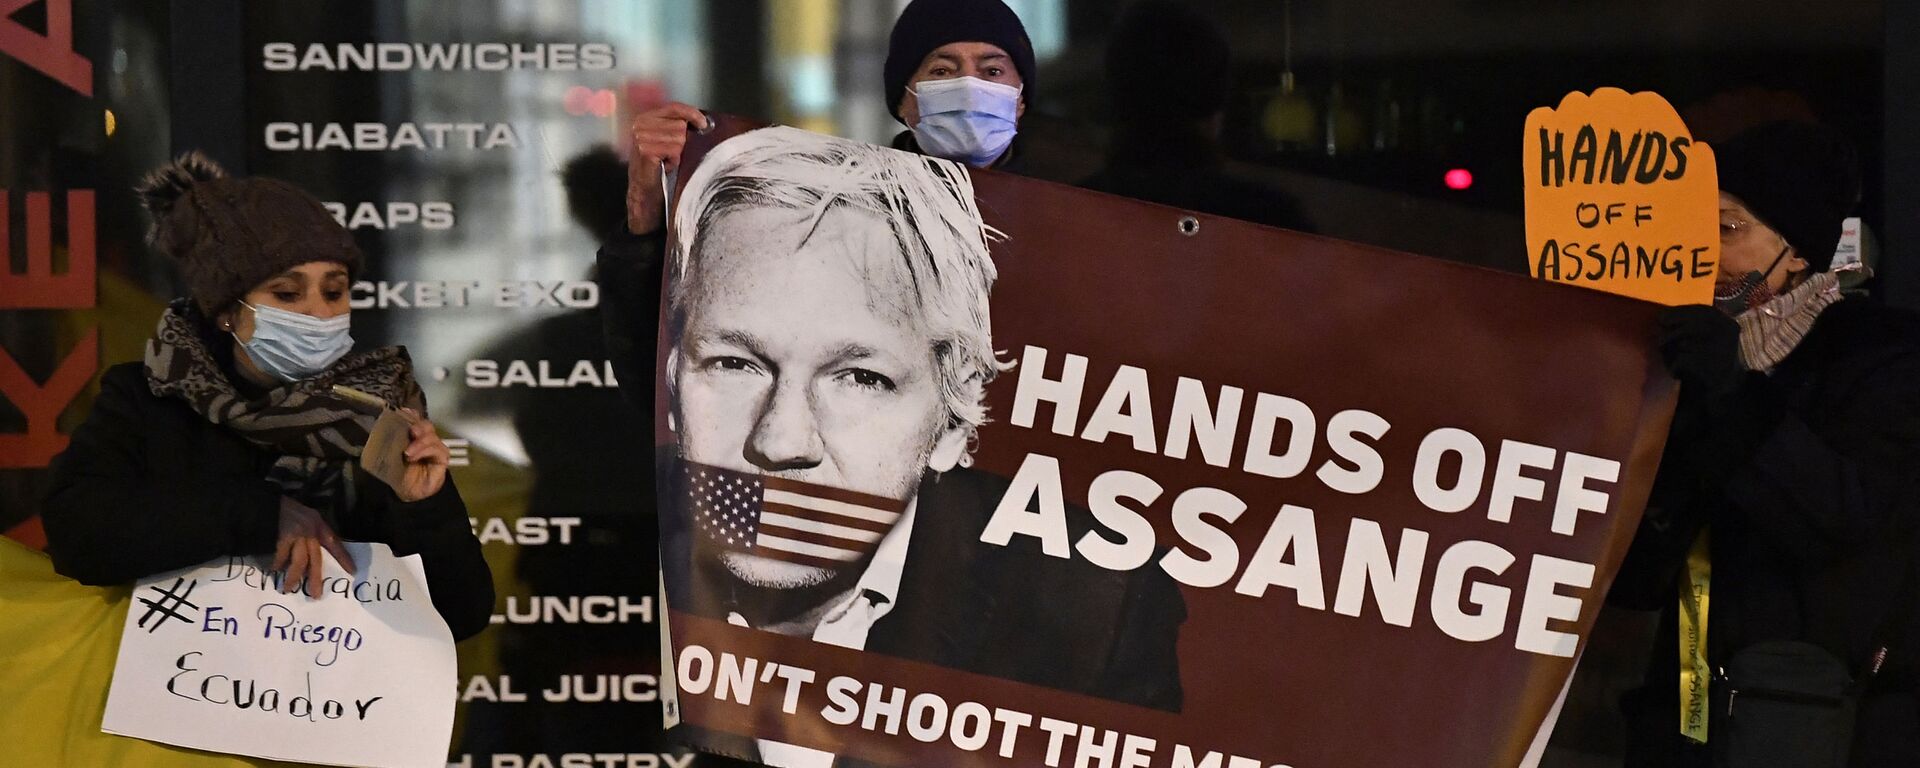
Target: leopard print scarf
(316, 435)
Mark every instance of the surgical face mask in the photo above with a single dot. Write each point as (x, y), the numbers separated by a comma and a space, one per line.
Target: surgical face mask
(290, 346)
(1747, 291)
(966, 119)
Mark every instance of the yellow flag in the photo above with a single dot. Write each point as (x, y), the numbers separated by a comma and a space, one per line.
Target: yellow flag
(58, 642)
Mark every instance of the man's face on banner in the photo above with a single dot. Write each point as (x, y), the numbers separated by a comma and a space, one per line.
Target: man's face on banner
(808, 360)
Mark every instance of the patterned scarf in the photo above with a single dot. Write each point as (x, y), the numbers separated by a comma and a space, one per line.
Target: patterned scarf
(1769, 332)
(316, 434)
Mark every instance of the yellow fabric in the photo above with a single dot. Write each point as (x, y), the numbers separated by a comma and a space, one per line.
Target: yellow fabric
(1694, 670)
(58, 642)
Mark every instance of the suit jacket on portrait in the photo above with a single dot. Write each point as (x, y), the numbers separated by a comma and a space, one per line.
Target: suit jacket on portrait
(1011, 612)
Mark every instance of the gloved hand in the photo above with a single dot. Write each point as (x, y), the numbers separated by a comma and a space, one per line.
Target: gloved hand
(1701, 347)
(1725, 410)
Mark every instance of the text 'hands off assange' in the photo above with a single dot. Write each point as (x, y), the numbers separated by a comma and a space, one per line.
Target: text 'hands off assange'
(1449, 476)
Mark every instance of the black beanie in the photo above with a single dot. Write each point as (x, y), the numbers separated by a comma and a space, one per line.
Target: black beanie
(1801, 179)
(230, 234)
(929, 24)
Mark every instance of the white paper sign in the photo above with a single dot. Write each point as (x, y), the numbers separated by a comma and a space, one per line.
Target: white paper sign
(215, 658)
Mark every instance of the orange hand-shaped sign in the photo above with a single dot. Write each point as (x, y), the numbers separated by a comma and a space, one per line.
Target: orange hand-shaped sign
(1621, 198)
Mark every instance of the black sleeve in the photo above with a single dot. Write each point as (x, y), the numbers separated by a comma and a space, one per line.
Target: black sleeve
(1819, 490)
(629, 273)
(1649, 575)
(112, 519)
(1816, 491)
(436, 529)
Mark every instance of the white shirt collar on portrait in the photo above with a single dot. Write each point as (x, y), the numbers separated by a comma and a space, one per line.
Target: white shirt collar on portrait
(847, 625)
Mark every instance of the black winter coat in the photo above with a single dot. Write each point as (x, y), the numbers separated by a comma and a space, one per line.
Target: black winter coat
(1810, 484)
(149, 485)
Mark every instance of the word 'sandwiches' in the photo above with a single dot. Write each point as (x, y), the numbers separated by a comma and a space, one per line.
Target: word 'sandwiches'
(957, 473)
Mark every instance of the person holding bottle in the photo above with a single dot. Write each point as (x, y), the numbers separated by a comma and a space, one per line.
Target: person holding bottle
(230, 438)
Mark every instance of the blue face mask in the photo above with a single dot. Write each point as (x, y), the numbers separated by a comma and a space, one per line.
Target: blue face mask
(966, 119)
(290, 346)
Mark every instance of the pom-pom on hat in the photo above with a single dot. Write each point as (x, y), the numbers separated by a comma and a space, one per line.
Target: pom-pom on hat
(231, 234)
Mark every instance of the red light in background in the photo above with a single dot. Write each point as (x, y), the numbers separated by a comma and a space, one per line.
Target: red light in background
(581, 100)
(1459, 179)
(642, 95)
(602, 103)
(577, 99)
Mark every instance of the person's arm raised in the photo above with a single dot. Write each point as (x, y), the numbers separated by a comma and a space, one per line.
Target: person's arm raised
(629, 264)
(658, 135)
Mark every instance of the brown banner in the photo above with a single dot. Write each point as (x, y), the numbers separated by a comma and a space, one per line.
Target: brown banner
(1242, 493)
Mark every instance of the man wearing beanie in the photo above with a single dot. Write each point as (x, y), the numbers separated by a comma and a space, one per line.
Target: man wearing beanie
(1782, 524)
(957, 75)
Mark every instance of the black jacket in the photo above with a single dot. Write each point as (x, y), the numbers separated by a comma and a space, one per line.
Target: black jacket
(1808, 480)
(149, 485)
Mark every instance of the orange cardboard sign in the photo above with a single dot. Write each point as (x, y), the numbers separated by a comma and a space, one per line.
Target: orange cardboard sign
(1621, 198)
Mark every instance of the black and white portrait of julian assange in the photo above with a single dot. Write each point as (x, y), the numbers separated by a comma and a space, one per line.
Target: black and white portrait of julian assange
(830, 337)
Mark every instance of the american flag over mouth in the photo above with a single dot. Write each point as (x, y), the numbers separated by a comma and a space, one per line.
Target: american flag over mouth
(785, 519)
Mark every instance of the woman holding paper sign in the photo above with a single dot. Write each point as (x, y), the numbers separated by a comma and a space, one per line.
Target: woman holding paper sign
(1780, 538)
(242, 430)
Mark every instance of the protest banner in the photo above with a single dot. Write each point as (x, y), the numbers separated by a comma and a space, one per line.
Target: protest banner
(1143, 488)
(1620, 198)
(217, 658)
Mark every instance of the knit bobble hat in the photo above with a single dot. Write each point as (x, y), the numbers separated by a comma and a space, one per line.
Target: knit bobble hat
(1801, 179)
(231, 234)
(925, 25)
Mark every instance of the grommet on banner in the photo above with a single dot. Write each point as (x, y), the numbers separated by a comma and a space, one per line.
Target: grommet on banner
(711, 123)
(1189, 226)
